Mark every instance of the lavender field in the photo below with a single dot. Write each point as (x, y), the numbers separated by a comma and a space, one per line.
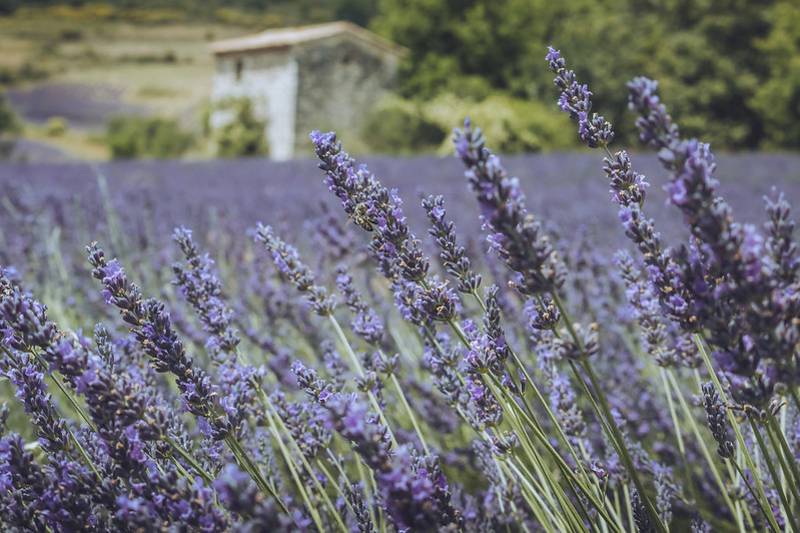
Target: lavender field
(82, 106)
(567, 191)
(608, 343)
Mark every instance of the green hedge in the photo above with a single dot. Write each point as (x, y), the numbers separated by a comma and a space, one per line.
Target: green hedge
(135, 137)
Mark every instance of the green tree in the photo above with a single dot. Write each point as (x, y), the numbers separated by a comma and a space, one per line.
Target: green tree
(727, 68)
(777, 100)
(243, 135)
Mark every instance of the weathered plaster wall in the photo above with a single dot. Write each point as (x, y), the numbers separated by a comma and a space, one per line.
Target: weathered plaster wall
(325, 84)
(340, 80)
(270, 81)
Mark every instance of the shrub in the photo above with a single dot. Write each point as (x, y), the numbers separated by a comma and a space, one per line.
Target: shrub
(133, 137)
(27, 71)
(401, 128)
(56, 126)
(243, 135)
(70, 35)
(729, 67)
(513, 124)
(168, 57)
(9, 124)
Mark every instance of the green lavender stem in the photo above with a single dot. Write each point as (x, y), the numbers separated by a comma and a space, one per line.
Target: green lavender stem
(785, 454)
(760, 494)
(605, 416)
(774, 473)
(360, 371)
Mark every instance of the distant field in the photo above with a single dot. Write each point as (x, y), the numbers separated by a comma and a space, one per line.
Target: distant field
(568, 191)
(98, 68)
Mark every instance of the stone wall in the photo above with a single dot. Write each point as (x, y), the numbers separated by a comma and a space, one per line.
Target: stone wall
(327, 84)
(339, 81)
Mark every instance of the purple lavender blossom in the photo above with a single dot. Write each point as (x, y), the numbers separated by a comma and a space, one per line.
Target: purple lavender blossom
(628, 187)
(640, 515)
(239, 494)
(482, 407)
(31, 391)
(306, 422)
(378, 210)
(453, 256)
(354, 494)
(717, 421)
(729, 277)
(288, 262)
(647, 309)
(407, 297)
(655, 125)
(202, 288)
(512, 232)
(576, 99)
(542, 313)
(564, 403)
(780, 243)
(628, 190)
(153, 330)
(22, 485)
(366, 323)
(309, 381)
(413, 489)
(437, 302)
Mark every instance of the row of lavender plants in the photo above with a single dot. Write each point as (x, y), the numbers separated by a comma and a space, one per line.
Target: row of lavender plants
(387, 382)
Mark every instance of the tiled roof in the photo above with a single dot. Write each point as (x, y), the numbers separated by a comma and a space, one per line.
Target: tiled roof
(287, 37)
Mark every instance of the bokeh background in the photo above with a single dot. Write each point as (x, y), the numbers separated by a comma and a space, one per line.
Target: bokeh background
(85, 80)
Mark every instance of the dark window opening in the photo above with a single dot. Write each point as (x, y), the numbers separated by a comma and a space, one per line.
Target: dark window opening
(239, 68)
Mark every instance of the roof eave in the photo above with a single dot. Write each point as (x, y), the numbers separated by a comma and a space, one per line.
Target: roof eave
(240, 46)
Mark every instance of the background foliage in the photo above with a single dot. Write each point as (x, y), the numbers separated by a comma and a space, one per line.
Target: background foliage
(729, 68)
(131, 137)
(8, 122)
(243, 135)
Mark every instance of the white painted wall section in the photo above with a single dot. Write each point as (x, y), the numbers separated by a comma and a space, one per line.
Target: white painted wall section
(270, 82)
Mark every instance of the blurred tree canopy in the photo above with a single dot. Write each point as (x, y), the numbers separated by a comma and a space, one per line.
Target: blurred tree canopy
(729, 69)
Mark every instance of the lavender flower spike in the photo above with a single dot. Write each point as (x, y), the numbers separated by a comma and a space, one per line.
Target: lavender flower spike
(628, 191)
(366, 323)
(513, 232)
(288, 262)
(31, 391)
(372, 207)
(413, 489)
(153, 329)
(453, 256)
(576, 99)
(203, 289)
(717, 421)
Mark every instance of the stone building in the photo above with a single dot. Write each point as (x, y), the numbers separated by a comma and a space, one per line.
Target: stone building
(324, 76)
